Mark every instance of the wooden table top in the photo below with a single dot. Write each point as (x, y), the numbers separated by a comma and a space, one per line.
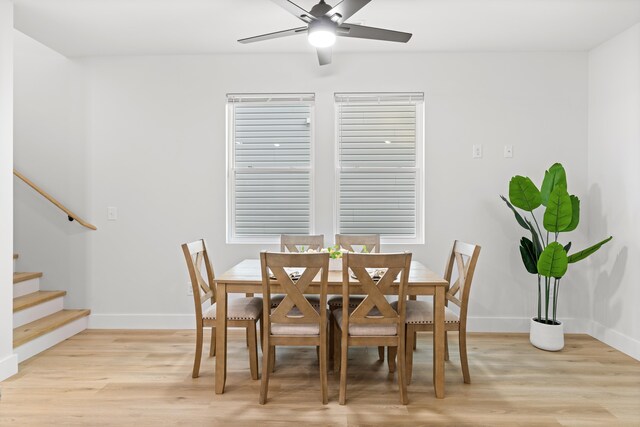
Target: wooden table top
(246, 277)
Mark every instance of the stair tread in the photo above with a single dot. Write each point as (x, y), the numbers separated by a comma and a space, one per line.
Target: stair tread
(35, 298)
(24, 276)
(25, 333)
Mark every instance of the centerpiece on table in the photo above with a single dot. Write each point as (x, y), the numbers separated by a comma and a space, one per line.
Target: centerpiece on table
(543, 255)
(335, 255)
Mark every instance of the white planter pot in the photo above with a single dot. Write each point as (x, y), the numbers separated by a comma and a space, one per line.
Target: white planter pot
(335, 264)
(547, 337)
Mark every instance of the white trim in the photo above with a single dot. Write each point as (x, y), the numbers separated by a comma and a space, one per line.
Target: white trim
(27, 287)
(626, 344)
(8, 366)
(39, 311)
(520, 324)
(54, 337)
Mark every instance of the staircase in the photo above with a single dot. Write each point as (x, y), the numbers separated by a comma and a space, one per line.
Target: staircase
(39, 318)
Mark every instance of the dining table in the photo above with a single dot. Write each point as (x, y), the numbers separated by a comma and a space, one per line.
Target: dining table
(246, 278)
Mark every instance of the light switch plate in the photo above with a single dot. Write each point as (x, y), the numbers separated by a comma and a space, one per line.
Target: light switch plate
(112, 213)
(477, 151)
(508, 151)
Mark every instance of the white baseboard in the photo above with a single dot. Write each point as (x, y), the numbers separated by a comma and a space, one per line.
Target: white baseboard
(46, 341)
(8, 366)
(520, 324)
(36, 312)
(142, 321)
(615, 339)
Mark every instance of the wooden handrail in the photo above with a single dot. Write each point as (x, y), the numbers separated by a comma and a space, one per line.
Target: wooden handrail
(60, 206)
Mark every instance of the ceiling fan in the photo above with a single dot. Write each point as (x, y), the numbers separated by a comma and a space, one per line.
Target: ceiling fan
(325, 22)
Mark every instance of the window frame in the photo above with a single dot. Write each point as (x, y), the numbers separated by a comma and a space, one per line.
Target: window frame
(271, 99)
(419, 237)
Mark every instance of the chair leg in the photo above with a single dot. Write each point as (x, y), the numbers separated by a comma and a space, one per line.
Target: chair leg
(324, 389)
(248, 338)
(336, 347)
(253, 350)
(391, 356)
(344, 352)
(381, 353)
(331, 338)
(260, 322)
(272, 359)
(410, 345)
(462, 340)
(266, 362)
(212, 346)
(402, 368)
(415, 340)
(446, 346)
(198, 356)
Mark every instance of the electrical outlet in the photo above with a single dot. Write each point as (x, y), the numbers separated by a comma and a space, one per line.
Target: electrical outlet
(189, 289)
(477, 151)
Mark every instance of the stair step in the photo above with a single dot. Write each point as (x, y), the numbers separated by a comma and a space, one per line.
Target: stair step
(21, 277)
(35, 298)
(40, 327)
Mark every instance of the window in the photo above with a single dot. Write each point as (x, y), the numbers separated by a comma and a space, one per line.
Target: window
(269, 166)
(380, 165)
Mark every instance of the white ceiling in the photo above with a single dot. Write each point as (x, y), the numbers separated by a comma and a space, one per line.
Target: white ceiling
(138, 27)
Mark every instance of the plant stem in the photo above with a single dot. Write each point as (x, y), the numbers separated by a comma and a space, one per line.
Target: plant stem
(555, 299)
(538, 227)
(539, 301)
(547, 285)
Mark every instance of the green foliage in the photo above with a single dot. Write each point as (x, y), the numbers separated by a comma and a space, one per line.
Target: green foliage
(557, 215)
(523, 193)
(547, 258)
(553, 261)
(579, 256)
(554, 177)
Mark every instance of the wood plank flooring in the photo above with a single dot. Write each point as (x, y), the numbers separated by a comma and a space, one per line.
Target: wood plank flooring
(143, 378)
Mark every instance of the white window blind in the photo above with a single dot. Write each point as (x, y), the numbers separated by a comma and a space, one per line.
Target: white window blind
(270, 174)
(379, 175)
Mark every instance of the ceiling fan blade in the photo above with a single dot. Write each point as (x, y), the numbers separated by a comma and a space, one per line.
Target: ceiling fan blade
(362, 32)
(324, 55)
(295, 10)
(345, 9)
(275, 35)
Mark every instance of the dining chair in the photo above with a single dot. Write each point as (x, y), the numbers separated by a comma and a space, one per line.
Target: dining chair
(242, 312)
(294, 322)
(463, 258)
(373, 321)
(369, 243)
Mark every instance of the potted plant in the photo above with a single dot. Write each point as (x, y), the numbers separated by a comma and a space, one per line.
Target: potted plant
(542, 254)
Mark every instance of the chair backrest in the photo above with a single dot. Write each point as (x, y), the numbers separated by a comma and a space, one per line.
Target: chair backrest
(375, 289)
(197, 257)
(369, 243)
(463, 258)
(310, 264)
(294, 243)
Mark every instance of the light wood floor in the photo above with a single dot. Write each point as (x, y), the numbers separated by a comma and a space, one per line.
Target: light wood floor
(141, 378)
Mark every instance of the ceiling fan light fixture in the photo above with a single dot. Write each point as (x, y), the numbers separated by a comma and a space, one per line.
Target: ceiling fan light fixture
(322, 36)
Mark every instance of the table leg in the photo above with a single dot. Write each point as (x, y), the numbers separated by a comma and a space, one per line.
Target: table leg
(221, 337)
(438, 341)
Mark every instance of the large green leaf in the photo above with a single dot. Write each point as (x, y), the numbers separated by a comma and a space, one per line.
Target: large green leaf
(529, 257)
(519, 218)
(553, 261)
(575, 214)
(523, 193)
(557, 216)
(554, 177)
(579, 256)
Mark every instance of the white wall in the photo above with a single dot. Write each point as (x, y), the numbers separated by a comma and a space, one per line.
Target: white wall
(51, 150)
(614, 183)
(8, 361)
(157, 135)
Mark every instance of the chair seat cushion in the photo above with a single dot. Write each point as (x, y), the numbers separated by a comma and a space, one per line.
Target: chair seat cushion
(336, 301)
(291, 329)
(239, 309)
(419, 312)
(314, 300)
(367, 330)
